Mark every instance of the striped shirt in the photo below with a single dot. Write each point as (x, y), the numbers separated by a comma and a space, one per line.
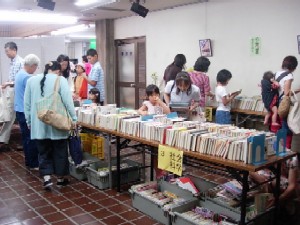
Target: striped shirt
(201, 80)
(97, 75)
(16, 65)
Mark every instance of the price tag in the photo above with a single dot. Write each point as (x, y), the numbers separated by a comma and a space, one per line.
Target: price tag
(170, 159)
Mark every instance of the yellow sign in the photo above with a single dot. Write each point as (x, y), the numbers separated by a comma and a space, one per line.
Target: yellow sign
(208, 113)
(170, 159)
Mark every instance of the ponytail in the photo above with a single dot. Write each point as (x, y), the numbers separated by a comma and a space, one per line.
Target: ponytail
(52, 65)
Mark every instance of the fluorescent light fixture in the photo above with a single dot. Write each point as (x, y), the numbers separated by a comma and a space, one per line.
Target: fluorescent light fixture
(31, 17)
(90, 2)
(73, 29)
(85, 2)
(82, 36)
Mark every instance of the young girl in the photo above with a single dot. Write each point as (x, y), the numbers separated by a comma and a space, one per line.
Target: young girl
(269, 95)
(80, 84)
(94, 96)
(154, 105)
(223, 98)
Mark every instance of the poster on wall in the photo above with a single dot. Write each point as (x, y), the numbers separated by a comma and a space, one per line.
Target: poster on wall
(255, 46)
(298, 41)
(205, 47)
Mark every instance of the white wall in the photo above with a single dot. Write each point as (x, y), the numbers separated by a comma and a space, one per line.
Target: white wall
(46, 48)
(230, 24)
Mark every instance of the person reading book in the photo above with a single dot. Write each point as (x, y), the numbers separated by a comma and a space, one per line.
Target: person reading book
(94, 96)
(223, 98)
(181, 90)
(269, 93)
(154, 105)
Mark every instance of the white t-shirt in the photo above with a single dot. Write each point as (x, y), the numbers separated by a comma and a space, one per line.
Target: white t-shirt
(182, 96)
(282, 81)
(220, 92)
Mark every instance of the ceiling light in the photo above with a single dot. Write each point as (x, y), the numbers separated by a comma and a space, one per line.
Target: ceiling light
(73, 29)
(82, 36)
(90, 2)
(25, 17)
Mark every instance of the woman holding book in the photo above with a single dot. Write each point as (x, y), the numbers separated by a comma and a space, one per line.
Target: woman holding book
(182, 91)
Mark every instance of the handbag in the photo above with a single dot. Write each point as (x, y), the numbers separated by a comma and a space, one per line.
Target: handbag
(52, 111)
(284, 106)
(293, 119)
(75, 148)
(4, 109)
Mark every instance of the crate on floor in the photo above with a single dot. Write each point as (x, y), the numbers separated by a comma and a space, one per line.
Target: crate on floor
(79, 171)
(98, 173)
(153, 209)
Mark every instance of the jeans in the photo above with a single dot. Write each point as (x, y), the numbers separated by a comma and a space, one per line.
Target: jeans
(223, 117)
(53, 156)
(29, 146)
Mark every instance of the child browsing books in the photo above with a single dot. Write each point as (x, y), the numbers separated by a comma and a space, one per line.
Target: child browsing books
(94, 96)
(269, 93)
(223, 98)
(154, 105)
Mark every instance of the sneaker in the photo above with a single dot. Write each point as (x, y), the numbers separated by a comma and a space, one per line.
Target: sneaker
(63, 183)
(47, 184)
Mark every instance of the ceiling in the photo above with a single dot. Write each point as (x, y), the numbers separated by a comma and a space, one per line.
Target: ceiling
(117, 9)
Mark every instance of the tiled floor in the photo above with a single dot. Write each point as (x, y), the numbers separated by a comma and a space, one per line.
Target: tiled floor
(24, 201)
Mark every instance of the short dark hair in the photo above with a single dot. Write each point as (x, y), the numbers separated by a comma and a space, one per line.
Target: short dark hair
(202, 64)
(95, 91)
(179, 60)
(91, 52)
(150, 89)
(11, 45)
(223, 76)
(290, 62)
(268, 75)
(84, 58)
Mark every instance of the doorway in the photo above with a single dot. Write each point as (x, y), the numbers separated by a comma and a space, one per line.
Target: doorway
(130, 72)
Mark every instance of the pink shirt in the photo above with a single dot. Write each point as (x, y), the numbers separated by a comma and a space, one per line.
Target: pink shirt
(201, 80)
(87, 68)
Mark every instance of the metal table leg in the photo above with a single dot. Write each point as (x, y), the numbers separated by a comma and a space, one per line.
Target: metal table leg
(118, 145)
(244, 197)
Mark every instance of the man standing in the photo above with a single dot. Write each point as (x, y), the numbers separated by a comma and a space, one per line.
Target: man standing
(16, 65)
(96, 76)
(31, 63)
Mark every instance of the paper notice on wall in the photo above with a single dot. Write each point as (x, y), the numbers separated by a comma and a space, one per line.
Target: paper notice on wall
(255, 46)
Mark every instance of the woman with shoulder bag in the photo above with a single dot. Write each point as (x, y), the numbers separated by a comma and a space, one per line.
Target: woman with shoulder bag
(289, 65)
(51, 142)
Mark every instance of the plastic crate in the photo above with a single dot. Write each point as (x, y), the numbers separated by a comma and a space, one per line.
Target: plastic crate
(130, 174)
(79, 171)
(155, 211)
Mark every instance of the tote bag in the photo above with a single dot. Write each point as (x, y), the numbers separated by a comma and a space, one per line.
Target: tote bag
(52, 111)
(293, 118)
(75, 148)
(4, 109)
(284, 106)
